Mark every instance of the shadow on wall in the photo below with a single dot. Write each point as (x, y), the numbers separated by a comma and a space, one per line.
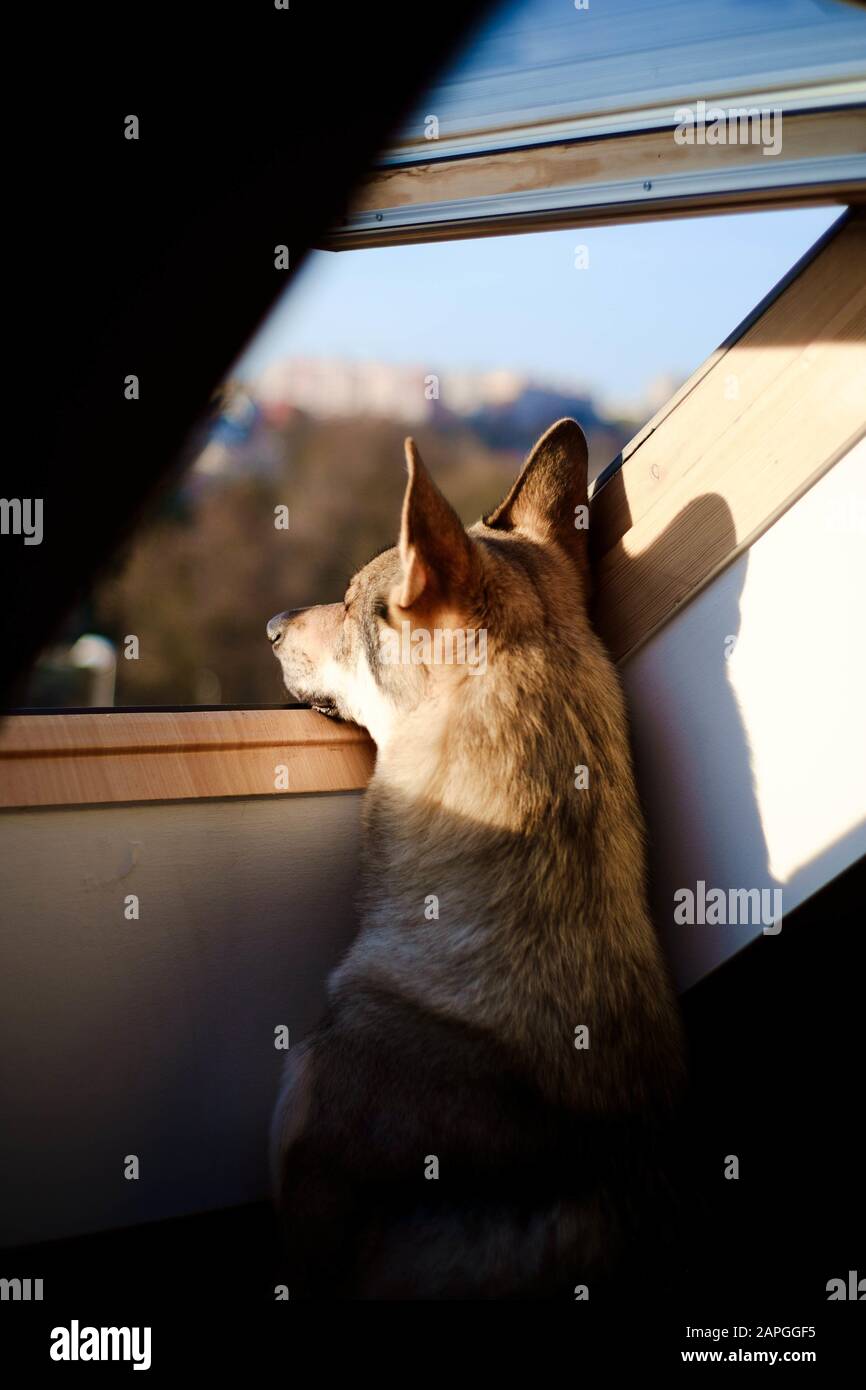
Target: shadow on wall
(693, 758)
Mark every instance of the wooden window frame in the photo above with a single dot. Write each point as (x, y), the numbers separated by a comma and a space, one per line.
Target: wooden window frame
(714, 469)
(694, 488)
(633, 176)
(94, 758)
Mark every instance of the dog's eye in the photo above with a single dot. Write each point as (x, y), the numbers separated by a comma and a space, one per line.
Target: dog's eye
(380, 609)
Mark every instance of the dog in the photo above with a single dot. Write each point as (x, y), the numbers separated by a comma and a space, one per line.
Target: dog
(482, 1112)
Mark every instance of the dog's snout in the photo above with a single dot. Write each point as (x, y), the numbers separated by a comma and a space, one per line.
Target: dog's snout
(278, 624)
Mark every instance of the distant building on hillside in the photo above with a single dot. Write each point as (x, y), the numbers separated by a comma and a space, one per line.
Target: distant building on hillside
(506, 409)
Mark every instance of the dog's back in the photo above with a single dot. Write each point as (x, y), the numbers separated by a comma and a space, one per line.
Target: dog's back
(426, 1166)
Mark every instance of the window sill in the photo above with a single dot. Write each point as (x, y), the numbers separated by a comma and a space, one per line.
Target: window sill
(90, 759)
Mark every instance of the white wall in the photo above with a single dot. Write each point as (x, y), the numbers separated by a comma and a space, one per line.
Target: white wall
(156, 1037)
(752, 769)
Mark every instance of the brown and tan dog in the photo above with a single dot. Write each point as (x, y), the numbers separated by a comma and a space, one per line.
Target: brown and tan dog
(480, 1113)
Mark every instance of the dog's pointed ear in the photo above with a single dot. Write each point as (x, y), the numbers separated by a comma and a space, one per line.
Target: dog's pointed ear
(438, 557)
(549, 499)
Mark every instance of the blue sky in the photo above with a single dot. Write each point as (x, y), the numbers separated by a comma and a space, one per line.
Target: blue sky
(655, 298)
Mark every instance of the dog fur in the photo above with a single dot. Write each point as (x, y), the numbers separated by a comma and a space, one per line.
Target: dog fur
(454, 1038)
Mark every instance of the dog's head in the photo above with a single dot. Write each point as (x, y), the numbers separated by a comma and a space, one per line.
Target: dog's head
(426, 621)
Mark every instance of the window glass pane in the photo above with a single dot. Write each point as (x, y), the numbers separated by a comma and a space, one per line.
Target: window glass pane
(536, 62)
